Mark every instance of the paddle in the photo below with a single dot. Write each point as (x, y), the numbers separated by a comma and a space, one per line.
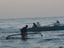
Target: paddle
(40, 34)
(20, 34)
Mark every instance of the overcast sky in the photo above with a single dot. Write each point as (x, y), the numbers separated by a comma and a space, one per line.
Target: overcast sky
(31, 8)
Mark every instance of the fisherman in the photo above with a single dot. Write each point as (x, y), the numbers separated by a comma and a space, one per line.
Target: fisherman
(34, 25)
(38, 24)
(57, 23)
(24, 32)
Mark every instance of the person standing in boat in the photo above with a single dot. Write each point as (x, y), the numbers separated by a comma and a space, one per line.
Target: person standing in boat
(34, 25)
(24, 32)
(38, 24)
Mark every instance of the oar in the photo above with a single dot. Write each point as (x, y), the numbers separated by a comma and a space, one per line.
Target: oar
(40, 34)
(20, 34)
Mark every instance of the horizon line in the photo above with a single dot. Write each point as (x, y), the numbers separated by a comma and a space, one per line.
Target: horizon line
(33, 17)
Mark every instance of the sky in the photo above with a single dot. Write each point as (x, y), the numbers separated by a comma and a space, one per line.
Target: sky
(31, 8)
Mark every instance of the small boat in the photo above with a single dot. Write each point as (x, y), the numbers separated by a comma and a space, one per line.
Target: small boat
(46, 28)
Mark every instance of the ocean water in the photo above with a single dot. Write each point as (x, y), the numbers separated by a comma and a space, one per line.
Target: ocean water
(50, 39)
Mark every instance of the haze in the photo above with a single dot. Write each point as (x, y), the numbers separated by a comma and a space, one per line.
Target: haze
(31, 8)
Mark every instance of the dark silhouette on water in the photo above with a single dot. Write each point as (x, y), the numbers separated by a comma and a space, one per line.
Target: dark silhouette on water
(57, 23)
(34, 25)
(24, 32)
(12, 36)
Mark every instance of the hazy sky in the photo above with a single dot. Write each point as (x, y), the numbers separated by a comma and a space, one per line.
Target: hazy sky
(31, 8)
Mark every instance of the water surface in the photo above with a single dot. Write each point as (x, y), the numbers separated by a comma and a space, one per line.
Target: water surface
(50, 39)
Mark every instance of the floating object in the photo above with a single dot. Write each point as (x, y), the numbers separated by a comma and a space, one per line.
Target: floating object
(46, 28)
(9, 36)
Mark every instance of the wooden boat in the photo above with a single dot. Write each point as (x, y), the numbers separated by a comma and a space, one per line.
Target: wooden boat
(46, 28)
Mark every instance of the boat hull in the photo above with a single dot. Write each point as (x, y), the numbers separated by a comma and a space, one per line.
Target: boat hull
(45, 28)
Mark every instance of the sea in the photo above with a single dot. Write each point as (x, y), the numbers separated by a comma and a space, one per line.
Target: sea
(50, 39)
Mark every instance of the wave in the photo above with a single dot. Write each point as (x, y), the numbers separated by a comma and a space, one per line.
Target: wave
(60, 35)
(8, 30)
(21, 38)
(49, 39)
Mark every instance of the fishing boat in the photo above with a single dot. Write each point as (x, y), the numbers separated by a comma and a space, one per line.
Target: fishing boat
(46, 28)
